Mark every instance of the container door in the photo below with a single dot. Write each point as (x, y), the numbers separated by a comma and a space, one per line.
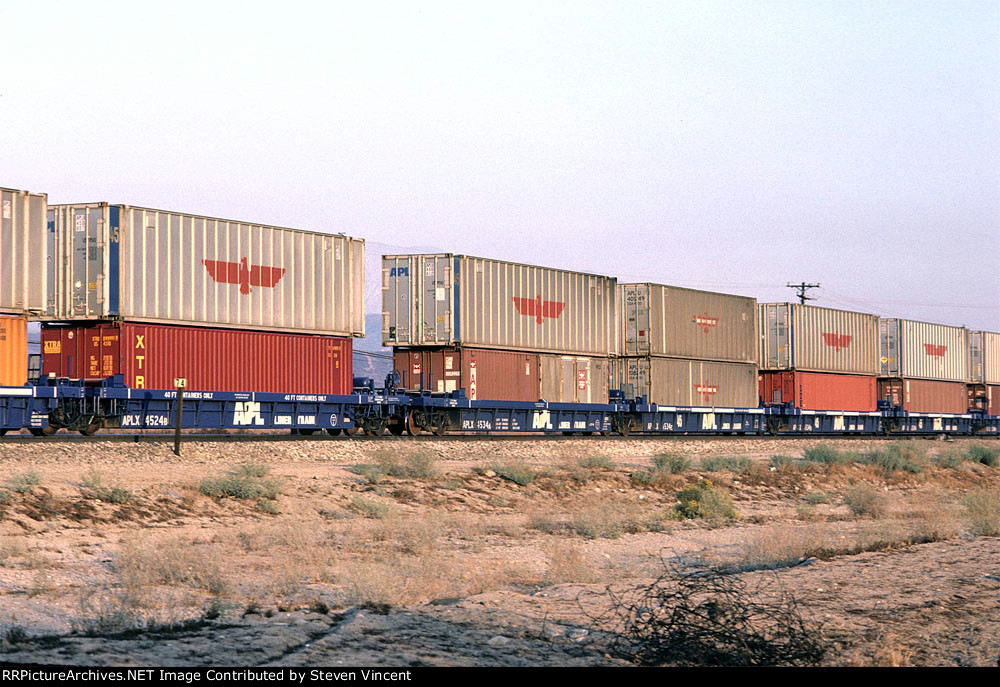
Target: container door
(637, 319)
(976, 369)
(776, 336)
(397, 301)
(84, 240)
(889, 348)
(435, 300)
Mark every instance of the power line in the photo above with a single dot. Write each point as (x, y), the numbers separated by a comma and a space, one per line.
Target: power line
(802, 288)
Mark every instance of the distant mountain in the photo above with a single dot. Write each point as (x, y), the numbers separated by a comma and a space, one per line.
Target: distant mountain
(375, 366)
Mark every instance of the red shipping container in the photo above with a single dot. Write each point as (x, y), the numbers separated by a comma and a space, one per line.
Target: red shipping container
(819, 390)
(925, 396)
(483, 373)
(151, 356)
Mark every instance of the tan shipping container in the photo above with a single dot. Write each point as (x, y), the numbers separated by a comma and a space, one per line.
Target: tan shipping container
(23, 264)
(13, 351)
(446, 300)
(142, 265)
(814, 339)
(984, 357)
(685, 323)
(573, 379)
(695, 383)
(920, 350)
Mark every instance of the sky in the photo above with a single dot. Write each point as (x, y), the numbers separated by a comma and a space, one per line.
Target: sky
(728, 146)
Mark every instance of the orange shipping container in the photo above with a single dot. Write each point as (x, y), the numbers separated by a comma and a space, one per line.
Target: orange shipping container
(13, 351)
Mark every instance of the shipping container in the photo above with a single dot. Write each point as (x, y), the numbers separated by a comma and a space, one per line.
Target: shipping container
(984, 397)
(814, 339)
(13, 350)
(819, 390)
(685, 323)
(924, 396)
(23, 263)
(984, 357)
(483, 373)
(675, 382)
(446, 300)
(574, 379)
(152, 356)
(142, 265)
(919, 350)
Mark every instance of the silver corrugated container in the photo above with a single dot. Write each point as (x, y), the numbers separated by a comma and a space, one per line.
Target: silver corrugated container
(445, 299)
(137, 264)
(984, 357)
(698, 383)
(920, 350)
(814, 339)
(685, 323)
(573, 379)
(23, 266)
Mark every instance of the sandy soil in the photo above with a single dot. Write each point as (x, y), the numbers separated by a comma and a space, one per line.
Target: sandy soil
(458, 564)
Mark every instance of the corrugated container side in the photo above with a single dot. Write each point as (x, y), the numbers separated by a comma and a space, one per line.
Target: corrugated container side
(920, 350)
(152, 356)
(984, 357)
(444, 299)
(23, 264)
(13, 351)
(168, 267)
(814, 339)
(675, 382)
(573, 379)
(686, 323)
(925, 396)
(993, 398)
(484, 374)
(819, 390)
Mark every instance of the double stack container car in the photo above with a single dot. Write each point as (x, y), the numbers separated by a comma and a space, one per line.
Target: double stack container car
(499, 330)
(923, 367)
(228, 305)
(23, 271)
(817, 358)
(683, 347)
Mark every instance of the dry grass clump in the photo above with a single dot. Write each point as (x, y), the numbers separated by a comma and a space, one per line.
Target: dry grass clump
(784, 463)
(566, 563)
(418, 463)
(726, 463)
(144, 563)
(981, 453)
(597, 463)
(23, 482)
(371, 508)
(898, 457)
(599, 519)
(94, 486)
(516, 472)
(827, 455)
(248, 481)
(706, 502)
(664, 465)
(865, 500)
(774, 547)
(983, 510)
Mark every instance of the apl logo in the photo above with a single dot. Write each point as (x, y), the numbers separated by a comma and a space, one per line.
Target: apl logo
(242, 274)
(706, 390)
(537, 308)
(706, 322)
(837, 341)
(935, 351)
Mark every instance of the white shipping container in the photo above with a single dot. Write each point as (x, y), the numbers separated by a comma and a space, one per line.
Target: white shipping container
(143, 265)
(814, 339)
(920, 350)
(445, 299)
(686, 323)
(23, 263)
(984, 357)
(692, 383)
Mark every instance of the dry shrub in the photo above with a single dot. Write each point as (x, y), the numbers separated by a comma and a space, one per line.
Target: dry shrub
(708, 618)
(246, 481)
(705, 501)
(405, 581)
(779, 548)
(599, 519)
(981, 453)
(567, 564)
(898, 457)
(23, 482)
(412, 463)
(865, 500)
(983, 510)
(147, 563)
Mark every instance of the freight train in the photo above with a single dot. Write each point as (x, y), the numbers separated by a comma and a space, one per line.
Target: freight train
(152, 318)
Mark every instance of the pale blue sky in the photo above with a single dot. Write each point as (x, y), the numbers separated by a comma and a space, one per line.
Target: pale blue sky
(732, 145)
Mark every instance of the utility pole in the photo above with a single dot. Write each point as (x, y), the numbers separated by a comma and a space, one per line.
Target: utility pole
(802, 288)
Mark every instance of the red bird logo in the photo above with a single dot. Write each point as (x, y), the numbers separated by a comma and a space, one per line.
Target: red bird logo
(935, 351)
(706, 390)
(242, 274)
(705, 321)
(837, 341)
(537, 308)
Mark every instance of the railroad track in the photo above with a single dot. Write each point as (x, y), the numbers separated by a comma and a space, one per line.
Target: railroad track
(237, 438)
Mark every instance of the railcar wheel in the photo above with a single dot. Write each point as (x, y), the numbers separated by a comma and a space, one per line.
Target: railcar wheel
(334, 431)
(2, 432)
(351, 431)
(626, 426)
(440, 424)
(44, 431)
(91, 429)
(397, 426)
(374, 428)
(414, 423)
(308, 432)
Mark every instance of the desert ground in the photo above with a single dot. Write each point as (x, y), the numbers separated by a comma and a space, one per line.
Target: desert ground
(501, 553)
